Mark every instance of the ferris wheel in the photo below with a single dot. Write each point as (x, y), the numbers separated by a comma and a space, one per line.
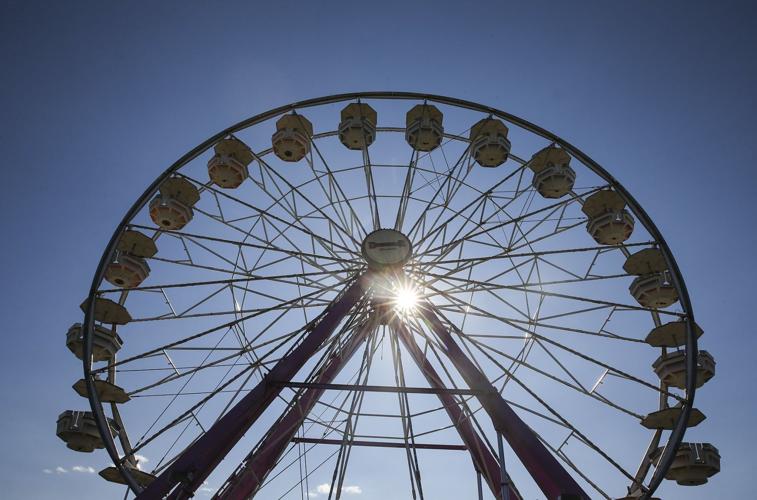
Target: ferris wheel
(389, 284)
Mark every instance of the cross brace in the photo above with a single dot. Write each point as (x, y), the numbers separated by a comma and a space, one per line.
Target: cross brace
(382, 444)
(380, 388)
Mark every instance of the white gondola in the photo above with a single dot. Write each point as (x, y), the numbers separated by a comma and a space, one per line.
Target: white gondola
(646, 261)
(291, 141)
(106, 392)
(667, 418)
(107, 311)
(609, 222)
(105, 342)
(655, 291)
(357, 128)
(172, 208)
(113, 475)
(78, 430)
(489, 144)
(671, 368)
(653, 287)
(169, 213)
(671, 334)
(553, 175)
(694, 463)
(423, 127)
(127, 271)
(227, 168)
(137, 244)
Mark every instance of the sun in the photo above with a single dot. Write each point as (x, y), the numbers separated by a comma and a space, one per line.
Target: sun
(405, 299)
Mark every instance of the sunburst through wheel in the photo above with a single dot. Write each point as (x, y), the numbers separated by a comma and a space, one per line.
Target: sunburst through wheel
(389, 284)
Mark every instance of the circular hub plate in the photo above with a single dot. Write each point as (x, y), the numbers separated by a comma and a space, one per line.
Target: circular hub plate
(386, 248)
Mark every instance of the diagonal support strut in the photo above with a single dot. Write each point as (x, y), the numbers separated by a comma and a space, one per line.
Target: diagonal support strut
(551, 477)
(483, 460)
(196, 463)
(249, 476)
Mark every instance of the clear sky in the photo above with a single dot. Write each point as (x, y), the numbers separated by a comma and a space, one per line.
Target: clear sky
(97, 99)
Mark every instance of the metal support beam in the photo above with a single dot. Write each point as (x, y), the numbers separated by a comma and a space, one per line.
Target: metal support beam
(483, 461)
(551, 477)
(196, 463)
(247, 479)
(382, 444)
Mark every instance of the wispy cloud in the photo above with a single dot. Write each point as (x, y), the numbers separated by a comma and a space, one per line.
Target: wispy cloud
(205, 489)
(325, 489)
(84, 469)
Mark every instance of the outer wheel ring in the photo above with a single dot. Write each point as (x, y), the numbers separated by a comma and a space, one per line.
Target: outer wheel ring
(678, 431)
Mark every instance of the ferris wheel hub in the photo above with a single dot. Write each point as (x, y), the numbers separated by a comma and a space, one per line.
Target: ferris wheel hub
(386, 248)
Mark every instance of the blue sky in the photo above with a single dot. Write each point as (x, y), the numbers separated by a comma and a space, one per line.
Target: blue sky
(97, 100)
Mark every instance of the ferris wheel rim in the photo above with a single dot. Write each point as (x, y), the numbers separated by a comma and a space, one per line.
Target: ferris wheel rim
(678, 431)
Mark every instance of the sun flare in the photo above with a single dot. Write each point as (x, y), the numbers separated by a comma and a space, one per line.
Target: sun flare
(406, 299)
